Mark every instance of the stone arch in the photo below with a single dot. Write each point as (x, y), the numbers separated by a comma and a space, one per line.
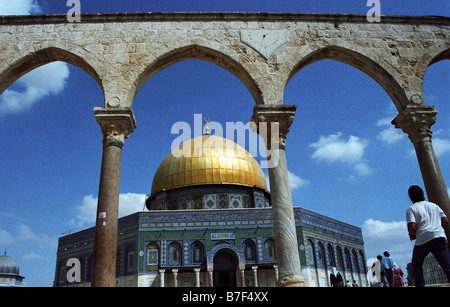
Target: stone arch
(444, 55)
(432, 57)
(218, 247)
(360, 61)
(199, 52)
(42, 57)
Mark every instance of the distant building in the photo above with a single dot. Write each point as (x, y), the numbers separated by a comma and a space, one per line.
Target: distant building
(432, 272)
(210, 224)
(9, 272)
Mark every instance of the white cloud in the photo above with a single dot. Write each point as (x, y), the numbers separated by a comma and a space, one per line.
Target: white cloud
(128, 203)
(34, 256)
(46, 80)
(40, 240)
(295, 181)
(86, 211)
(19, 7)
(441, 146)
(390, 135)
(23, 234)
(392, 236)
(362, 169)
(334, 148)
(5, 238)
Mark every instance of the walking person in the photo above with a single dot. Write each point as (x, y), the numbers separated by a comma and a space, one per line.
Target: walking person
(378, 272)
(335, 278)
(425, 225)
(398, 276)
(388, 264)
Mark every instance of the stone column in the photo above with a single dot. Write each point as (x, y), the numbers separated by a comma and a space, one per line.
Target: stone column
(116, 125)
(175, 277)
(275, 267)
(242, 270)
(210, 277)
(162, 278)
(197, 277)
(416, 121)
(272, 123)
(255, 275)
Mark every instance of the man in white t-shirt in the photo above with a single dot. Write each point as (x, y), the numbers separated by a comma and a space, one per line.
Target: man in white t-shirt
(425, 225)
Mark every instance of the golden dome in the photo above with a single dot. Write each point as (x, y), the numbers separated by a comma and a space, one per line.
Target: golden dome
(208, 159)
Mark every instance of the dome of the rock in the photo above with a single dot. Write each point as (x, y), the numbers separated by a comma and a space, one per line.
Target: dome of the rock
(212, 162)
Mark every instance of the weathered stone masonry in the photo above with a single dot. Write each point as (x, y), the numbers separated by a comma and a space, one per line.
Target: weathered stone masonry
(122, 51)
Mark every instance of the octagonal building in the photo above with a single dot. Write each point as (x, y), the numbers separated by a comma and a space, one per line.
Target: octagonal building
(209, 224)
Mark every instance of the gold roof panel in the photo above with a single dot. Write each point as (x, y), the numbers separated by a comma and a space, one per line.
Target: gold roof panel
(208, 159)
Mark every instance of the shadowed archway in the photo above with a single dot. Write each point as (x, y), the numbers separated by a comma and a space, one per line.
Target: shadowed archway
(225, 266)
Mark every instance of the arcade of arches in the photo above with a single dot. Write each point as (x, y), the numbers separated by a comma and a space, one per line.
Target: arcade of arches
(264, 50)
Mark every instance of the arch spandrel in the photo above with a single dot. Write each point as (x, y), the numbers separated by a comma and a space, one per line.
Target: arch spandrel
(120, 48)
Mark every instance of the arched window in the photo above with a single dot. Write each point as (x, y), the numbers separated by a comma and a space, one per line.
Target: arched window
(249, 251)
(340, 262)
(321, 251)
(83, 268)
(197, 253)
(355, 261)
(130, 258)
(152, 256)
(311, 253)
(62, 272)
(348, 261)
(118, 262)
(175, 254)
(331, 259)
(269, 247)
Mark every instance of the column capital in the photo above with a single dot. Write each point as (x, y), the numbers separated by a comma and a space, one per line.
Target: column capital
(273, 122)
(116, 124)
(416, 121)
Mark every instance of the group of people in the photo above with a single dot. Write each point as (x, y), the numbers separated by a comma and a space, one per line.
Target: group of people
(426, 222)
(386, 272)
(336, 280)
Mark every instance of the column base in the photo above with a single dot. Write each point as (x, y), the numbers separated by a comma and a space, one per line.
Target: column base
(291, 281)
